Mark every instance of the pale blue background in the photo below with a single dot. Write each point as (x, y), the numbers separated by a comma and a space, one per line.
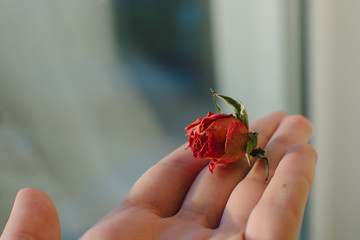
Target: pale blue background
(94, 92)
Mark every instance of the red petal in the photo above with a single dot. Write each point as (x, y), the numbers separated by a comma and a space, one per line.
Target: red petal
(235, 145)
(210, 118)
(212, 166)
(193, 125)
(216, 134)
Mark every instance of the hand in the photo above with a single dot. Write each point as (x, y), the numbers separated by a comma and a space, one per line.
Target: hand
(179, 198)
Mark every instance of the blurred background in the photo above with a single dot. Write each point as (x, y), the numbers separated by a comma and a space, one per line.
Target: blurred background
(94, 92)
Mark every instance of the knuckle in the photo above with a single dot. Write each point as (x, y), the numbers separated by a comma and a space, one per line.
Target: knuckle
(306, 149)
(299, 122)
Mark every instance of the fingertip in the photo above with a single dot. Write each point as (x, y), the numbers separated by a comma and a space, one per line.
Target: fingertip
(280, 114)
(32, 193)
(301, 122)
(305, 149)
(272, 117)
(36, 200)
(34, 216)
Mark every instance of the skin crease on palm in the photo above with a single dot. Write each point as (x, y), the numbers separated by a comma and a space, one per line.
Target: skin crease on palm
(178, 198)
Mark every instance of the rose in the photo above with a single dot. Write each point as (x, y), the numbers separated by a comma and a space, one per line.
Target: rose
(225, 138)
(220, 137)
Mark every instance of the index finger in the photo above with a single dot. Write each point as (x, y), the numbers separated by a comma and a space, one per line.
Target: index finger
(163, 187)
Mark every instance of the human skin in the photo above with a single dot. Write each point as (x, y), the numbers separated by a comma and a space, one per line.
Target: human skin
(178, 198)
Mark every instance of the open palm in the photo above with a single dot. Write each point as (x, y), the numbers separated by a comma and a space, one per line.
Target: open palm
(178, 198)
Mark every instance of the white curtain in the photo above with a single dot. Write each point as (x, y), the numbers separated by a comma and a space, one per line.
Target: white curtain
(71, 123)
(256, 48)
(335, 97)
(256, 53)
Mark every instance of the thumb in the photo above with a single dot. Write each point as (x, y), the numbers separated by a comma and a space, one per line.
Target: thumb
(33, 216)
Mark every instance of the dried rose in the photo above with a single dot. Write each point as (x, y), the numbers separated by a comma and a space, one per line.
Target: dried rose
(220, 137)
(224, 138)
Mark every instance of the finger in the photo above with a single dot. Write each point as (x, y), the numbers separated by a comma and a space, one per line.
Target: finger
(280, 211)
(163, 187)
(208, 195)
(33, 216)
(262, 127)
(292, 129)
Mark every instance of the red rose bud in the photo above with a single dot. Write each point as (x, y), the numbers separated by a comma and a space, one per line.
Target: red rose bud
(225, 138)
(220, 137)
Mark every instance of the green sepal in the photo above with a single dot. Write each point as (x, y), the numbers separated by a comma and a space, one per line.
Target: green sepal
(213, 95)
(239, 107)
(251, 145)
(259, 154)
(243, 114)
